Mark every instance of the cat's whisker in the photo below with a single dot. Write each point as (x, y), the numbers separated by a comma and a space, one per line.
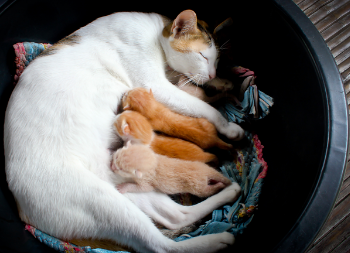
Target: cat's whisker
(199, 79)
(188, 76)
(186, 82)
(222, 46)
(183, 82)
(194, 79)
(179, 74)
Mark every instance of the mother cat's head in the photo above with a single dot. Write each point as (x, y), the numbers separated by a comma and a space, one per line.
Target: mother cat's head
(190, 48)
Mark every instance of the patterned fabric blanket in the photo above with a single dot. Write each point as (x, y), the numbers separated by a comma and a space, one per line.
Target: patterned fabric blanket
(247, 168)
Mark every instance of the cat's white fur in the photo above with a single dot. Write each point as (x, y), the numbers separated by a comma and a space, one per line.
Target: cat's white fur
(58, 132)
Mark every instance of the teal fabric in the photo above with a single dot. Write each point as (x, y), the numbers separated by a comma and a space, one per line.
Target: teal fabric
(32, 50)
(62, 246)
(250, 109)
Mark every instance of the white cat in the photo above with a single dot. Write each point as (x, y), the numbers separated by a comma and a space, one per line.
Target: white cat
(58, 130)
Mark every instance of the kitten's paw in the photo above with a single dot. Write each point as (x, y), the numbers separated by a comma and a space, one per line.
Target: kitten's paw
(122, 188)
(233, 132)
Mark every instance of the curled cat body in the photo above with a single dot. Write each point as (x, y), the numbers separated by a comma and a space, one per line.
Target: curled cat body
(151, 171)
(197, 130)
(59, 129)
(132, 126)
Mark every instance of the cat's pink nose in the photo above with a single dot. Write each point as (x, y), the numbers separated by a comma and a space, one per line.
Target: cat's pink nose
(212, 74)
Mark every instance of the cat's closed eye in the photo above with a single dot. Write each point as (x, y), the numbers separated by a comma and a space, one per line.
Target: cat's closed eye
(204, 56)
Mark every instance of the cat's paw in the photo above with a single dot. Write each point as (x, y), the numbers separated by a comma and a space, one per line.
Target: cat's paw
(231, 193)
(233, 132)
(219, 241)
(225, 239)
(209, 243)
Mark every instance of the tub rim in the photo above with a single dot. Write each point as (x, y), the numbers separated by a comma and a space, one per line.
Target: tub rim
(322, 200)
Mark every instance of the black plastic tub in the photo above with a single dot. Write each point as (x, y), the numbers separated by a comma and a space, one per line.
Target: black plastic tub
(305, 136)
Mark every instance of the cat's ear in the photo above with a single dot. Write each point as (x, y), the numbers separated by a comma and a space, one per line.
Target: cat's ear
(222, 26)
(223, 36)
(126, 128)
(150, 92)
(185, 22)
(138, 174)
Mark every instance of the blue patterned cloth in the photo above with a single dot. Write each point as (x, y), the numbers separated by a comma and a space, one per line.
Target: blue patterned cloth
(255, 105)
(32, 50)
(63, 246)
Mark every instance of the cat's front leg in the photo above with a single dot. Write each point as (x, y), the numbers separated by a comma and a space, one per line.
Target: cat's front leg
(183, 103)
(162, 209)
(229, 129)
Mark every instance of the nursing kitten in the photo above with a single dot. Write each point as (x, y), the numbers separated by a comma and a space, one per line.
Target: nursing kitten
(131, 125)
(197, 130)
(184, 83)
(221, 84)
(58, 130)
(150, 171)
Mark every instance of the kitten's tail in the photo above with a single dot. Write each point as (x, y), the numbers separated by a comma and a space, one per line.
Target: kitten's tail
(223, 145)
(218, 178)
(210, 158)
(215, 183)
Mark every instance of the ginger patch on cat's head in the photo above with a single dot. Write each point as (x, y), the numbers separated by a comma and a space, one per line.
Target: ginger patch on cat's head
(188, 34)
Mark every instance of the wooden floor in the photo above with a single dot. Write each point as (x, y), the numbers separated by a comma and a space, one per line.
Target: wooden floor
(332, 19)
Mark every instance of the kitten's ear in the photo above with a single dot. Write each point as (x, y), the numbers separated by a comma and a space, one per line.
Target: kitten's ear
(138, 174)
(126, 128)
(150, 92)
(185, 22)
(227, 23)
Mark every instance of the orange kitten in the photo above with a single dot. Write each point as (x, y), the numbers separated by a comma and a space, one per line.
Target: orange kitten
(131, 125)
(197, 130)
(150, 171)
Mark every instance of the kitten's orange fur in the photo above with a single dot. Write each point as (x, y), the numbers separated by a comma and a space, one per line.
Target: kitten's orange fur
(197, 130)
(131, 125)
(169, 175)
